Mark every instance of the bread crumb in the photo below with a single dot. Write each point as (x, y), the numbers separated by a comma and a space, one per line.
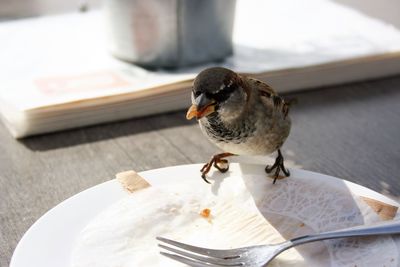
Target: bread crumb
(385, 211)
(131, 181)
(205, 213)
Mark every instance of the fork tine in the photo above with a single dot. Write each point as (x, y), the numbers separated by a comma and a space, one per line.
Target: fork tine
(187, 261)
(217, 253)
(218, 261)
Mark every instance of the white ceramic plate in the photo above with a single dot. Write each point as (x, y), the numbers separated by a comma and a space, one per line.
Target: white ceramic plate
(50, 240)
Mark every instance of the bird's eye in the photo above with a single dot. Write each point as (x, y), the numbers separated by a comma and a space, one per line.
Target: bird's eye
(196, 93)
(223, 93)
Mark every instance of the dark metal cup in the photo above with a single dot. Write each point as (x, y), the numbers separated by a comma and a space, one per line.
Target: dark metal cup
(170, 33)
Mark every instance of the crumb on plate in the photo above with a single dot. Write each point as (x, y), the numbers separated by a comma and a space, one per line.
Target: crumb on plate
(205, 213)
(131, 181)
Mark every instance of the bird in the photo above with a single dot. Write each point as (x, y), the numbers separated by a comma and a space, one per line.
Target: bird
(242, 116)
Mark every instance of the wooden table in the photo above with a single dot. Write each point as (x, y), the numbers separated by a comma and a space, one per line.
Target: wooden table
(350, 131)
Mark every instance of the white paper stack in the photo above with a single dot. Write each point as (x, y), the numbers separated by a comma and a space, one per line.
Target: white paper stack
(56, 72)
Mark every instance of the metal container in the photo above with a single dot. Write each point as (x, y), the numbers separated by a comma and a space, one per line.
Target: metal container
(170, 33)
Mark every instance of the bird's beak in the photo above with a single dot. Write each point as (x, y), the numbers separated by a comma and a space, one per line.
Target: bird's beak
(203, 106)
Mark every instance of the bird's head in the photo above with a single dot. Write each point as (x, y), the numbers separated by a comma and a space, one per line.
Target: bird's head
(217, 91)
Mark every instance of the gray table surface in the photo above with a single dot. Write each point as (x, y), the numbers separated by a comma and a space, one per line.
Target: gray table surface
(350, 131)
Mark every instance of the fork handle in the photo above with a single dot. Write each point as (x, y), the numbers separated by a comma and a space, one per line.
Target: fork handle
(382, 228)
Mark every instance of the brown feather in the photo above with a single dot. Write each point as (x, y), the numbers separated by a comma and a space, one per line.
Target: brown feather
(269, 96)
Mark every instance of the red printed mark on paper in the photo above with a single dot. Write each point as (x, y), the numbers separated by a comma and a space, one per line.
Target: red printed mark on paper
(80, 83)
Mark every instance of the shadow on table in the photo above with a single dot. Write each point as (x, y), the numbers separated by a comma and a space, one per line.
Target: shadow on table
(105, 131)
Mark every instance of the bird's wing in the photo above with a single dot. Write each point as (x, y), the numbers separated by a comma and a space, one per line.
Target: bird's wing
(261, 86)
(269, 97)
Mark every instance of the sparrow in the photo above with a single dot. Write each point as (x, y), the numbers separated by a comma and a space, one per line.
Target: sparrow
(240, 115)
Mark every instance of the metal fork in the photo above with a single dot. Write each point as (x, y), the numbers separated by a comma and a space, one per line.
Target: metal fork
(257, 256)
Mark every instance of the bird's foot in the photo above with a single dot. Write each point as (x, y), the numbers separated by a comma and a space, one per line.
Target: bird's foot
(278, 166)
(218, 162)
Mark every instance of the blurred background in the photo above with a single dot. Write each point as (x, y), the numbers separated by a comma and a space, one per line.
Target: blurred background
(14, 9)
(387, 10)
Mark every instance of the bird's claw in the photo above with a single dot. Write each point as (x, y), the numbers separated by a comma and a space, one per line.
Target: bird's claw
(216, 161)
(222, 162)
(278, 166)
(203, 176)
